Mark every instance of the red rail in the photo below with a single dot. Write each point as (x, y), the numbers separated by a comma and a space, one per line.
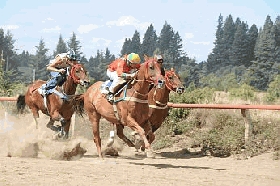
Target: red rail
(223, 106)
(8, 98)
(205, 106)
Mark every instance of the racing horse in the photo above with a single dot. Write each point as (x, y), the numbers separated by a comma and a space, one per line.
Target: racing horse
(130, 107)
(52, 105)
(158, 109)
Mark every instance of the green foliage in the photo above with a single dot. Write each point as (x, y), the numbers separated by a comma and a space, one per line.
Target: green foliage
(190, 96)
(226, 136)
(274, 89)
(245, 92)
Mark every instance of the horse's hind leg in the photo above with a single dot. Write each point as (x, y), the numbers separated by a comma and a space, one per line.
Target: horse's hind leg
(65, 126)
(122, 136)
(51, 126)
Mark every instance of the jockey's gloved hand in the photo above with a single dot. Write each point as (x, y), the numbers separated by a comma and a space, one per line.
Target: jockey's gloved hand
(132, 75)
(62, 70)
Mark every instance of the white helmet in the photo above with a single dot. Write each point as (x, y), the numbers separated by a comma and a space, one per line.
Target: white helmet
(71, 55)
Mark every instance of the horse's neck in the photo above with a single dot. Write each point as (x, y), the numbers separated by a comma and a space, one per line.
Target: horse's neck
(159, 95)
(141, 87)
(69, 87)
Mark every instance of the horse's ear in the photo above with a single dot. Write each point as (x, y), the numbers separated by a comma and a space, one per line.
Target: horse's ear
(146, 57)
(172, 69)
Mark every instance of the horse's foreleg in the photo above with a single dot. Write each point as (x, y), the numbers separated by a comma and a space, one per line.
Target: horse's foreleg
(122, 136)
(94, 119)
(134, 125)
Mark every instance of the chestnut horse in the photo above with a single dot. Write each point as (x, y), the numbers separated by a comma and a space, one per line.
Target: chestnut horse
(158, 99)
(52, 105)
(130, 107)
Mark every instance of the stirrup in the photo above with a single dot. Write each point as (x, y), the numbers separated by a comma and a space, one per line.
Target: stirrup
(41, 91)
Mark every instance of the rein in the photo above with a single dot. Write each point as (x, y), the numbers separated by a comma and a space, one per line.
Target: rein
(161, 105)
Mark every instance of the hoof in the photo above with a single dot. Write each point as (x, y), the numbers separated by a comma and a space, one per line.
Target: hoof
(110, 142)
(150, 154)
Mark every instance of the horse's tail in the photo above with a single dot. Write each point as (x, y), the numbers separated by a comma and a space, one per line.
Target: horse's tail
(21, 103)
(78, 104)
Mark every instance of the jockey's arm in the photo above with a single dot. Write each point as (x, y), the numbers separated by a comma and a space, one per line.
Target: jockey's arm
(57, 62)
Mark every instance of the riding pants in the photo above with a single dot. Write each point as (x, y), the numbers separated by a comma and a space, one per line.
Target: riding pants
(116, 80)
(57, 79)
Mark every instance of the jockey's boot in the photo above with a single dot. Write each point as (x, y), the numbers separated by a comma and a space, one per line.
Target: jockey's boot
(110, 97)
(42, 90)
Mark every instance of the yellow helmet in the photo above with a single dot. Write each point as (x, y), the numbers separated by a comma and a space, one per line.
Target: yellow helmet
(133, 58)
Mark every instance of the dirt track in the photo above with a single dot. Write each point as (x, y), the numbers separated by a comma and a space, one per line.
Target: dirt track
(166, 169)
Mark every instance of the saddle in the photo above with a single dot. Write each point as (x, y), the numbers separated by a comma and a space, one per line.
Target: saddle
(104, 89)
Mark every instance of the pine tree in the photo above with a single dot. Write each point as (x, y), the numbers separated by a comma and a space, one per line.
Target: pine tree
(252, 36)
(126, 47)
(41, 60)
(74, 44)
(149, 41)
(264, 53)
(228, 38)
(214, 59)
(239, 53)
(135, 45)
(60, 47)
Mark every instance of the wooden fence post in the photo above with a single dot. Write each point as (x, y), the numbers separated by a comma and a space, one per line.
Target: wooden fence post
(248, 126)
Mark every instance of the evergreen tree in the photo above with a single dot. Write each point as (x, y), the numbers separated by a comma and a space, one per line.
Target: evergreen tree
(264, 53)
(149, 41)
(60, 47)
(239, 52)
(214, 59)
(41, 60)
(165, 38)
(75, 45)
(252, 36)
(228, 38)
(126, 47)
(135, 45)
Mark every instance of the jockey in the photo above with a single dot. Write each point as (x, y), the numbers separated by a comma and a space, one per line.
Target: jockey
(122, 69)
(58, 68)
(159, 59)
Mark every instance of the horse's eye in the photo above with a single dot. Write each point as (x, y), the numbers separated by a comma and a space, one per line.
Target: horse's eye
(170, 77)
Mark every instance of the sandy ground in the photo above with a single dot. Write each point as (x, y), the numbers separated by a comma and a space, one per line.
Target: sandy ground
(18, 138)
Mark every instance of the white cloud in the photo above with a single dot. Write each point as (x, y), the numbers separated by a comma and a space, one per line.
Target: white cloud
(9, 27)
(128, 20)
(48, 19)
(87, 28)
(201, 43)
(51, 30)
(101, 41)
(189, 35)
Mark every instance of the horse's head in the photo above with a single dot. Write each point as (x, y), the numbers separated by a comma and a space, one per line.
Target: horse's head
(150, 71)
(79, 74)
(173, 82)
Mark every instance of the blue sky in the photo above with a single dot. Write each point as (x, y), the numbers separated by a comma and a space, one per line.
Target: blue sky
(100, 24)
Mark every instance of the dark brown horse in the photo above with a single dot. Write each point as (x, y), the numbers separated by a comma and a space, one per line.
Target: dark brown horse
(130, 107)
(158, 99)
(52, 105)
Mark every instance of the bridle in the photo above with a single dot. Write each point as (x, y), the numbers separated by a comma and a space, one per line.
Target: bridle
(73, 75)
(169, 81)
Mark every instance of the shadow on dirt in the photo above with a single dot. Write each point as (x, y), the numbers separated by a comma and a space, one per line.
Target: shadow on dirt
(167, 166)
(181, 154)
